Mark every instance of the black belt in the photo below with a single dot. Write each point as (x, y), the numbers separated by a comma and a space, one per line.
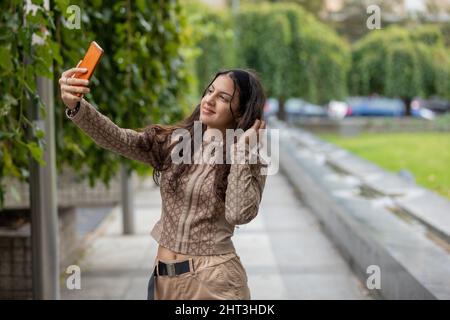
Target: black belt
(173, 269)
(166, 269)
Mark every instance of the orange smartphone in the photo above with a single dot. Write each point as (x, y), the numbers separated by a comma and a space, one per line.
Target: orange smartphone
(90, 61)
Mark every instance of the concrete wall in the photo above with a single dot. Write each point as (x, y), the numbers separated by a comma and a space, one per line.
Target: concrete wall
(372, 216)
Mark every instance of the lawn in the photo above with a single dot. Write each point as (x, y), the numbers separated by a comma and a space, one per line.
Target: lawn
(425, 154)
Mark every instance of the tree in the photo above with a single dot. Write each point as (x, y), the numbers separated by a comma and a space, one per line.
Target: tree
(350, 21)
(312, 6)
(213, 42)
(140, 80)
(142, 74)
(296, 55)
(402, 63)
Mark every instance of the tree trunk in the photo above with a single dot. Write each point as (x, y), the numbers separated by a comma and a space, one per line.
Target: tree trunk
(407, 101)
(281, 111)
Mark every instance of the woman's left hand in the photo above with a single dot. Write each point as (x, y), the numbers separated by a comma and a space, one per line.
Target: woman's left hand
(251, 136)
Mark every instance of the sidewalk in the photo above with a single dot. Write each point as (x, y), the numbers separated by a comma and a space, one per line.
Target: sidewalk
(118, 266)
(285, 253)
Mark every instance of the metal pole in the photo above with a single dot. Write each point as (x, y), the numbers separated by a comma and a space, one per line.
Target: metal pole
(44, 212)
(235, 6)
(127, 201)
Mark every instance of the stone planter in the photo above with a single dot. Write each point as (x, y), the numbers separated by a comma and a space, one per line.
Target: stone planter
(15, 250)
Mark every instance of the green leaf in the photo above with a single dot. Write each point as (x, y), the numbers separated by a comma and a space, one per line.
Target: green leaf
(42, 109)
(62, 5)
(9, 167)
(7, 102)
(6, 135)
(40, 134)
(74, 147)
(36, 152)
(6, 60)
(56, 52)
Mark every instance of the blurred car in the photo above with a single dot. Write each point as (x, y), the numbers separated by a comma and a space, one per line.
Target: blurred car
(271, 107)
(296, 108)
(337, 109)
(375, 106)
(419, 109)
(434, 104)
(423, 113)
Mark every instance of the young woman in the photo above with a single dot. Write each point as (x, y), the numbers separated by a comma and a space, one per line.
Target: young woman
(201, 203)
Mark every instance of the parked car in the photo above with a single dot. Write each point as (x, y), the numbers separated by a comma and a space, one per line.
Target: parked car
(375, 106)
(296, 107)
(434, 104)
(271, 107)
(423, 113)
(337, 109)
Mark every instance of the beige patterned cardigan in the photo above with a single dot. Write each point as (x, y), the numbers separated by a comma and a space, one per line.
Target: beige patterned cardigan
(193, 221)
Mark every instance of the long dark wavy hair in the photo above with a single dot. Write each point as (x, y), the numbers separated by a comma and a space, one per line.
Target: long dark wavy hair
(251, 103)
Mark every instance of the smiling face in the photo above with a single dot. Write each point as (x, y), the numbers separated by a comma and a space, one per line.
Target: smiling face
(215, 105)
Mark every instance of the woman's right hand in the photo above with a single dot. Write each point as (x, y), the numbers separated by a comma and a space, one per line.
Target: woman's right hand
(69, 86)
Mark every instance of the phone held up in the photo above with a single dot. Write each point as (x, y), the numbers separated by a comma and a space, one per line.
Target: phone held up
(90, 62)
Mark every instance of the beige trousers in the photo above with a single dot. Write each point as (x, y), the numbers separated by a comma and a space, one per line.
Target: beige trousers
(216, 277)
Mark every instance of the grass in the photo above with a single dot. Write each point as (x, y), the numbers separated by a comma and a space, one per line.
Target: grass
(425, 154)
